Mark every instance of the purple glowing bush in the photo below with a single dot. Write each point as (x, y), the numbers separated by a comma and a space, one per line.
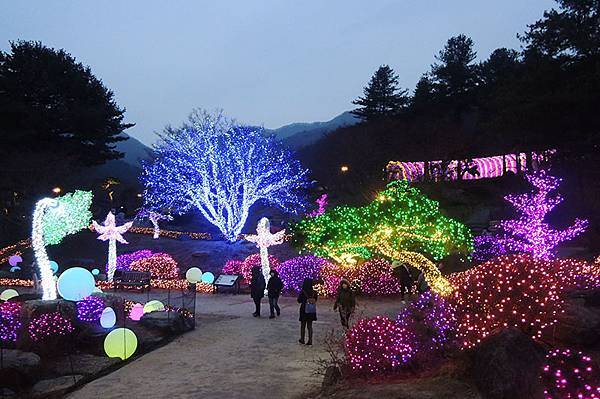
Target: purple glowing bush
(487, 247)
(294, 271)
(376, 278)
(90, 309)
(432, 322)
(49, 325)
(10, 322)
(570, 374)
(124, 261)
(378, 345)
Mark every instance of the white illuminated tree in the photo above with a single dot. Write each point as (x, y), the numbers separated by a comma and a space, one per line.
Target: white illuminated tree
(112, 233)
(154, 218)
(221, 169)
(263, 240)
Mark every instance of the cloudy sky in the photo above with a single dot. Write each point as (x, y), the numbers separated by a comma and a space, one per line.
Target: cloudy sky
(269, 62)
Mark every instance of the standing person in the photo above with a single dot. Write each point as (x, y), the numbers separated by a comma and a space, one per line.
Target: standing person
(345, 302)
(257, 289)
(402, 271)
(422, 285)
(307, 298)
(274, 287)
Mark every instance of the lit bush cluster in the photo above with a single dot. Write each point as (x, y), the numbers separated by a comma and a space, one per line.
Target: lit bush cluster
(10, 321)
(90, 309)
(244, 268)
(294, 271)
(422, 330)
(515, 291)
(49, 325)
(162, 266)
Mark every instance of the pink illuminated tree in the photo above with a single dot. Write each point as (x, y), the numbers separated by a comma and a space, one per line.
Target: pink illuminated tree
(529, 233)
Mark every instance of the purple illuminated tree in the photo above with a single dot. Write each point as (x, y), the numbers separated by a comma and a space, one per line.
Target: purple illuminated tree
(221, 168)
(529, 233)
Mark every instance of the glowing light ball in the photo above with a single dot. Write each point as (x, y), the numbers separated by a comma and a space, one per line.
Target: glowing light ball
(154, 306)
(13, 260)
(76, 283)
(120, 343)
(193, 275)
(14, 269)
(136, 312)
(54, 266)
(95, 272)
(208, 278)
(108, 319)
(8, 294)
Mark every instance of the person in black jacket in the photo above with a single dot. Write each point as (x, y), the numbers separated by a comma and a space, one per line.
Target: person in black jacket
(402, 272)
(307, 298)
(257, 289)
(274, 287)
(345, 302)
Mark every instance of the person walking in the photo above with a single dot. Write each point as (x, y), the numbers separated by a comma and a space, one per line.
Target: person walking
(402, 271)
(257, 289)
(345, 302)
(422, 285)
(307, 298)
(274, 287)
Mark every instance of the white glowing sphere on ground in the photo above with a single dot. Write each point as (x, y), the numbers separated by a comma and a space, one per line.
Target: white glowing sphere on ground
(54, 266)
(136, 312)
(108, 319)
(154, 306)
(121, 343)
(193, 275)
(8, 294)
(208, 278)
(76, 283)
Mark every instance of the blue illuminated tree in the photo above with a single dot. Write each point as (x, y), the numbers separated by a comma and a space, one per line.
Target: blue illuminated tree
(222, 168)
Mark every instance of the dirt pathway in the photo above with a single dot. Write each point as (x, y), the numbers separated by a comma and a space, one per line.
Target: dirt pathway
(231, 355)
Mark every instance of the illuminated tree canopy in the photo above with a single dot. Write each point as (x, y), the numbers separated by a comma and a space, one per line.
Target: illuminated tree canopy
(401, 217)
(221, 168)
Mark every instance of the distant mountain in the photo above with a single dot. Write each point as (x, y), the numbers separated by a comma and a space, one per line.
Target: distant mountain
(300, 135)
(134, 151)
(128, 168)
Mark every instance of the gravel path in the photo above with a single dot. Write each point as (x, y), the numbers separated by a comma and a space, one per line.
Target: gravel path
(231, 355)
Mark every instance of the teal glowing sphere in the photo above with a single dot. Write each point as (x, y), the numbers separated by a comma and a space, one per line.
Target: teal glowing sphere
(76, 283)
(95, 272)
(208, 278)
(54, 266)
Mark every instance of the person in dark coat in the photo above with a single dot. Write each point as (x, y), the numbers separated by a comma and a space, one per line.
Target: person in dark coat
(402, 272)
(307, 296)
(345, 302)
(274, 287)
(257, 289)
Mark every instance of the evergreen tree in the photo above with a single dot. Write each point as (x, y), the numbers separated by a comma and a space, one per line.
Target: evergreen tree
(501, 66)
(424, 95)
(455, 74)
(382, 96)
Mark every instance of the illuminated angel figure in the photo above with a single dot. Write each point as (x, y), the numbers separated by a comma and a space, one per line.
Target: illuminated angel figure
(112, 233)
(154, 218)
(263, 240)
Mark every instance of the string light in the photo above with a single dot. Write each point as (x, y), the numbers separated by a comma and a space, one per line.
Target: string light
(124, 261)
(222, 169)
(53, 219)
(10, 321)
(90, 309)
(376, 278)
(161, 266)
(529, 233)
(170, 233)
(112, 233)
(516, 291)
(321, 205)
(570, 375)
(48, 325)
(293, 271)
(401, 223)
(263, 240)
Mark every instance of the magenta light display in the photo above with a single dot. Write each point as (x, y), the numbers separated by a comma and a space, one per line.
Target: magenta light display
(90, 309)
(294, 271)
(487, 167)
(10, 322)
(569, 374)
(124, 261)
(321, 205)
(378, 344)
(529, 233)
(244, 268)
(49, 325)
(376, 278)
